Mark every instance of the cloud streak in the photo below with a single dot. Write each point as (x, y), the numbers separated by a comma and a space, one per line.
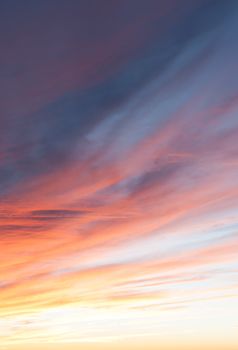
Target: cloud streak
(118, 171)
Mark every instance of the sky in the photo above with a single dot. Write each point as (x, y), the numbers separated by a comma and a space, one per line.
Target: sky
(118, 174)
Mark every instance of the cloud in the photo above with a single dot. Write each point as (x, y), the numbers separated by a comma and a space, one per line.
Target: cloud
(118, 164)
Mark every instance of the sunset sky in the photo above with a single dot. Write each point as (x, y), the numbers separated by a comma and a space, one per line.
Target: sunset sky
(118, 174)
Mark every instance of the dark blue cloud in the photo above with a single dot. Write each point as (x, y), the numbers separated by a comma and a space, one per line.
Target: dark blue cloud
(45, 140)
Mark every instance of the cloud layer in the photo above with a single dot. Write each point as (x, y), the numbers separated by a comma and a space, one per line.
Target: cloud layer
(118, 172)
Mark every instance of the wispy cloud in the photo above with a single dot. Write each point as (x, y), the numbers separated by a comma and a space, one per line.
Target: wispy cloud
(118, 170)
